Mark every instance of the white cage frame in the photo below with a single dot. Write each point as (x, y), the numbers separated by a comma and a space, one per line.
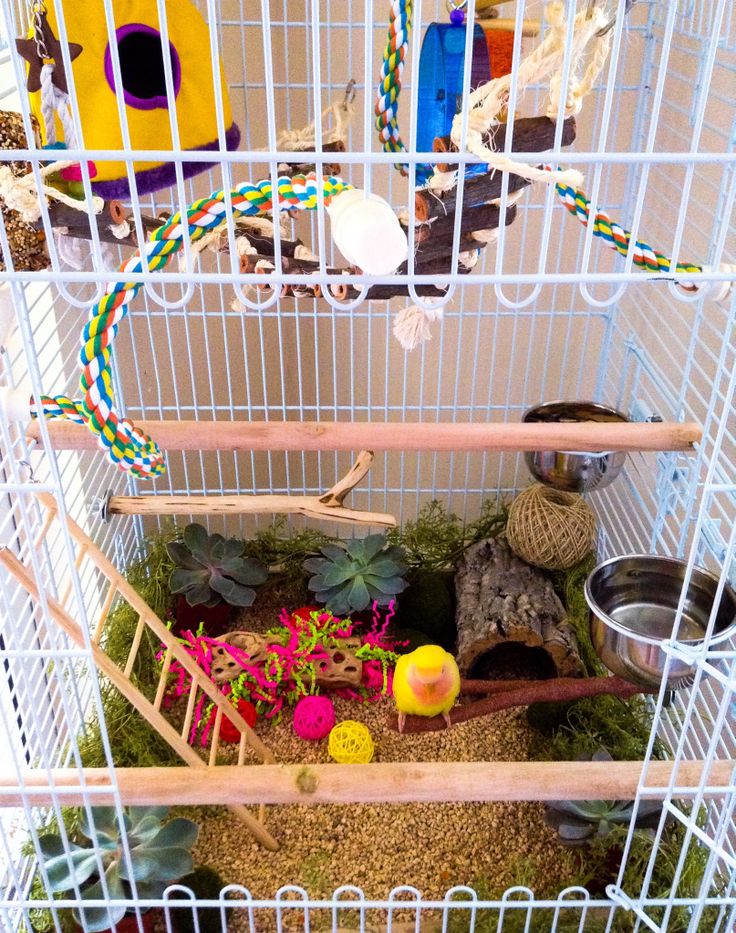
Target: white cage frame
(659, 353)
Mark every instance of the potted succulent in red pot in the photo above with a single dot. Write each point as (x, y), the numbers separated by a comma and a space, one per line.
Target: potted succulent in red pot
(159, 856)
(210, 577)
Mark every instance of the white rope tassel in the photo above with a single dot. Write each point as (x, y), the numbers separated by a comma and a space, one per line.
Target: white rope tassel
(411, 325)
(546, 61)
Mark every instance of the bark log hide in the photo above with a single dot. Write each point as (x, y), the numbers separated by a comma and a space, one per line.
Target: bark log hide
(502, 601)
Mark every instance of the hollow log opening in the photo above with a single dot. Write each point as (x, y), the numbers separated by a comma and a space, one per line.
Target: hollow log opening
(513, 661)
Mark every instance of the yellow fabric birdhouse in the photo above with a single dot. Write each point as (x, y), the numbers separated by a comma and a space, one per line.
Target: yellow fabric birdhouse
(141, 86)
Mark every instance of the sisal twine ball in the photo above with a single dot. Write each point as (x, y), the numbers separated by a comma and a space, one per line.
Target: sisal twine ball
(314, 717)
(549, 528)
(351, 743)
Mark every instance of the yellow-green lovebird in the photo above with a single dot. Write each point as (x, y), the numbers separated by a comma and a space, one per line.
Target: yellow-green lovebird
(426, 683)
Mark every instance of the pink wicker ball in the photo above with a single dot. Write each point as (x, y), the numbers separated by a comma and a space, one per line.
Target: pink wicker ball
(314, 717)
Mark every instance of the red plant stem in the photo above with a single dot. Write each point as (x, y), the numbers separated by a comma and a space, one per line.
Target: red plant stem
(558, 690)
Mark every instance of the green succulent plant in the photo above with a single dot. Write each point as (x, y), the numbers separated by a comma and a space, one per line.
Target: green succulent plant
(578, 822)
(350, 576)
(211, 569)
(159, 855)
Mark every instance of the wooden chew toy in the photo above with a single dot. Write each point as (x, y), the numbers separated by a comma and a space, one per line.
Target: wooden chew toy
(530, 134)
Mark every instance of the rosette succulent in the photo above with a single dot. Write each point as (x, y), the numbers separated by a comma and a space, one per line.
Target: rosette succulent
(159, 855)
(350, 577)
(211, 569)
(578, 821)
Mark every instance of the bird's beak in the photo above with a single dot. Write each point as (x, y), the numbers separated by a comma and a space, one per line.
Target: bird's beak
(428, 675)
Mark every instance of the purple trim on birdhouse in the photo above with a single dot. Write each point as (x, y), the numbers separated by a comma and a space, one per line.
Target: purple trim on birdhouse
(159, 101)
(163, 176)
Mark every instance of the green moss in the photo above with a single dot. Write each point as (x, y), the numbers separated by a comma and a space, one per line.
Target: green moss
(150, 573)
(567, 731)
(438, 538)
(278, 547)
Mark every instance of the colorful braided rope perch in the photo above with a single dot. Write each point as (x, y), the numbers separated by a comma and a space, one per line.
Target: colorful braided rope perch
(618, 238)
(125, 444)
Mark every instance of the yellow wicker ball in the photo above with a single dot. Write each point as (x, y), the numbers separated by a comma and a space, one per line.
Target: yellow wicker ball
(350, 743)
(549, 528)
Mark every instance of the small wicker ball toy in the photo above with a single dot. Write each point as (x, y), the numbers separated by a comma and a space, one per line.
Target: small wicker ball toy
(549, 528)
(314, 717)
(351, 743)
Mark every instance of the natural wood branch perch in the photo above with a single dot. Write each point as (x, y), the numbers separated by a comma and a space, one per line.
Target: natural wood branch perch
(557, 690)
(328, 508)
(378, 435)
(377, 782)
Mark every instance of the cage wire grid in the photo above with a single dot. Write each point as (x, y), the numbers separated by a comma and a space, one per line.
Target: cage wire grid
(548, 313)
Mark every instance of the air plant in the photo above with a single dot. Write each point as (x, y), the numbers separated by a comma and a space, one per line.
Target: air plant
(350, 577)
(159, 855)
(211, 569)
(578, 822)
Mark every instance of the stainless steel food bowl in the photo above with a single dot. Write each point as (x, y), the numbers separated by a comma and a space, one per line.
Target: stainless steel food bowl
(569, 470)
(633, 601)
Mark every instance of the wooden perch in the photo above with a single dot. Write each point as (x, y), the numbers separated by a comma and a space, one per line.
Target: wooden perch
(558, 690)
(328, 507)
(530, 134)
(377, 782)
(178, 434)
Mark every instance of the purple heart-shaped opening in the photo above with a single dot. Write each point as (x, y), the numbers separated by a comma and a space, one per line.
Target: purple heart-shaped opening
(140, 50)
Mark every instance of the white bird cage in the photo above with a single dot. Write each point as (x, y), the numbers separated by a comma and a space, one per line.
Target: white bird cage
(548, 312)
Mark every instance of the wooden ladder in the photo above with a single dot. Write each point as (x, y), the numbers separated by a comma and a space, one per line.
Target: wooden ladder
(121, 676)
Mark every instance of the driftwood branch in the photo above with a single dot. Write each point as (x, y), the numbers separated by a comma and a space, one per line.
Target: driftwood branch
(558, 690)
(328, 507)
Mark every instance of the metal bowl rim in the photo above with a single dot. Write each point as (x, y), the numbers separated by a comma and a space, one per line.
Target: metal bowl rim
(716, 637)
(599, 454)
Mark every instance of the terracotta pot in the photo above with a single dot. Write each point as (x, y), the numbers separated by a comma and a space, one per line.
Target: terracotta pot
(216, 620)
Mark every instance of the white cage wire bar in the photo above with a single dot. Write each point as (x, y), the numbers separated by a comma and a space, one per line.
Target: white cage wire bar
(548, 312)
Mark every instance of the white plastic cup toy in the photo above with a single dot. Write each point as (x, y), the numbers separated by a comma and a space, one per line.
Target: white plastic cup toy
(367, 232)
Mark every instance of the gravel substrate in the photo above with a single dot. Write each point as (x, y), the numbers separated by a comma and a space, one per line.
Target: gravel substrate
(377, 847)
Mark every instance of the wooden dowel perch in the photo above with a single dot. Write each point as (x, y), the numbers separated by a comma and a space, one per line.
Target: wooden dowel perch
(329, 507)
(377, 782)
(557, 690)
(354, 435)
